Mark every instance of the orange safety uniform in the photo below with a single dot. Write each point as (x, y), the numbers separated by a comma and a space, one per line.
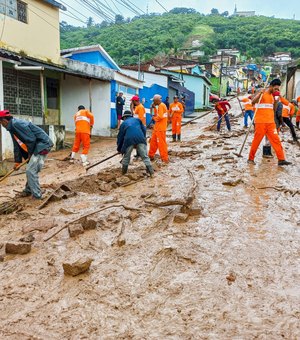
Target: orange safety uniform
(247, 104)
(84, 121)
(298, 111)
(288, 110)
(158, 139)
(265, 126)
(140, 112)
(176, 110)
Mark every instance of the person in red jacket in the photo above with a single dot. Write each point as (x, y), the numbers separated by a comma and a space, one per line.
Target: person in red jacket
(222, 107)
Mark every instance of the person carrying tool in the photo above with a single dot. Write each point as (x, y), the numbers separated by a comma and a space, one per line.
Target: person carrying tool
(138, 109)
(222, 107)
(158, 139)
(30, 142)
(176, 110)
(287, 114)
(132, 134)
(84, 121)
(248, 110)
(265, 122)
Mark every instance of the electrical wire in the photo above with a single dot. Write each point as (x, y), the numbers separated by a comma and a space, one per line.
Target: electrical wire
(161, 5)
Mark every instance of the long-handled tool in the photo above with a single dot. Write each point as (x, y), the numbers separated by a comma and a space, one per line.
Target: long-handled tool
(13, 170)
(102, 161)
(252, 121)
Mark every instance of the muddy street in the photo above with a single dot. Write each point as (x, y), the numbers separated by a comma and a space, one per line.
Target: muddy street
(208, 248)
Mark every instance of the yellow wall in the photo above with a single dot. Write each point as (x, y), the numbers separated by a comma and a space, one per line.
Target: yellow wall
(39, 38)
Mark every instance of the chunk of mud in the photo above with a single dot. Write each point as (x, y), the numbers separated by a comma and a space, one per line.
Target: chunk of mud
(28, 238)
(122, 180)
(200, 167)
(75, 230)
(20, 248)
(121, 241)
(231, 277)
(216, 158)
(181, 218)
(65, 211)
(78, 267)
(113, 218)
(134, 177)
(42, 225)
(206, 146)
(192, 211)
(133, 215)
(233, 183)
(106, 187)
(89, 223)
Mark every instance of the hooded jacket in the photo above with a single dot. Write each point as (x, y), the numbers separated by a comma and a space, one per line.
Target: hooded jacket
(31, 135)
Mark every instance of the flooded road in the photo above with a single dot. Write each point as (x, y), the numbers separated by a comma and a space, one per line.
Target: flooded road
(207, 249)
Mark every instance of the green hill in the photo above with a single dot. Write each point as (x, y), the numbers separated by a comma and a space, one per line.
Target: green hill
(255, 37)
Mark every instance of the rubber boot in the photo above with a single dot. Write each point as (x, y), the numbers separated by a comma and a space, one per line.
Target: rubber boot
(124, 169)
(72, 157)
(267, 151)
(174, 138)
(179, 138)
(84, 160)
(150, 170)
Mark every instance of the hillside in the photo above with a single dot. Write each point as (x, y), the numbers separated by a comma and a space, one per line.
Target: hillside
(148, 35)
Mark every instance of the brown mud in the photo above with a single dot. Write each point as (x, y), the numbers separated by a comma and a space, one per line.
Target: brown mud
(207, 249)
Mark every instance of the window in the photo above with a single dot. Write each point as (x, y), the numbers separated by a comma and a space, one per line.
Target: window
(15, 9)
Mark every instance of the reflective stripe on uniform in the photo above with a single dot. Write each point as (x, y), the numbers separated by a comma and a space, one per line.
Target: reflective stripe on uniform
(287, 107)
(264, 106)
(165, 115)
(79, 118)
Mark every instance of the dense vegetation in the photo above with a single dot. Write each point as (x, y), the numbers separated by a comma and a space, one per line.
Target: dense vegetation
(149, 35)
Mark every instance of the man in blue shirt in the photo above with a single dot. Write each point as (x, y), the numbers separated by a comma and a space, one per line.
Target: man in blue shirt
(132, 134)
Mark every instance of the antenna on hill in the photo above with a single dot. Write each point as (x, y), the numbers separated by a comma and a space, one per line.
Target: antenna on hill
(147, 11)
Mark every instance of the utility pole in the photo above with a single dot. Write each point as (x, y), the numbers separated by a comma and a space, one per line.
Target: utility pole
(139, 67)
(221, 71)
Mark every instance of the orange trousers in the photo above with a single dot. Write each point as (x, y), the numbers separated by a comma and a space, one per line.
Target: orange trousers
(159, 141)
(84, 139)
(176, 124)
(269, 130)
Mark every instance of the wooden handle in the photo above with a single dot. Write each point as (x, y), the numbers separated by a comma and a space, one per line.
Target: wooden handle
(13, 170)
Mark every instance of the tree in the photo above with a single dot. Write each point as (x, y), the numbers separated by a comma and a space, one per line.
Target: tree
(225, 14)
(119, 19)
(90, 22)
(214, 11)
(182, 10)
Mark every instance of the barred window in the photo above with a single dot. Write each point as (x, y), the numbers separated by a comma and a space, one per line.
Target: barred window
(16, 9)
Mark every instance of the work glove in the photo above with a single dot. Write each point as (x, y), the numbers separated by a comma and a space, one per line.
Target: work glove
(16, 165)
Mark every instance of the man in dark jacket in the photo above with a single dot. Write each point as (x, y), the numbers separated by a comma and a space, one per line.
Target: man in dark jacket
(120, 102)
(30, 142)
(132, 135)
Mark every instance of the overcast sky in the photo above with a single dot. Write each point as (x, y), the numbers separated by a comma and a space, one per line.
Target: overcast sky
(261, 7)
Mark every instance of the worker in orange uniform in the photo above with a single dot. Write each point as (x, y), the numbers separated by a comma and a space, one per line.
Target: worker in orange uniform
(138, 109)
(176, 110)
(297, 111)
(84, 121)
(248, 110)
(287, 114)
(158, 139)
(265, 122)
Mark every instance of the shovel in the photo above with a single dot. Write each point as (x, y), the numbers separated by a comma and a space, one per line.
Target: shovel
(13, 170)
(102, 161)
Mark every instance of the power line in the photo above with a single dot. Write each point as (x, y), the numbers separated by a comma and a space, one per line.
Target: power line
(161, 5)
(74, 9)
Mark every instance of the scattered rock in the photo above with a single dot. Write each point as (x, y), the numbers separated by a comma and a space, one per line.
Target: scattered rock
(122, 180)
(133, 215)
(231, 277)
(233, 183)
(28, 238)
(133, 176)
(89, 223)
(193, 211)
(65, 211)
(78, 267)
(121, 241)
(106, 187)
(216, 157)
(200, 167)
(181, 218)
(20, 248)
(75, 229)
(42, 225)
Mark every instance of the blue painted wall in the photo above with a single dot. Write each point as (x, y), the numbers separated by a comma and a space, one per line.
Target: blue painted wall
(95, 58)
(113, 111)
(147, 93)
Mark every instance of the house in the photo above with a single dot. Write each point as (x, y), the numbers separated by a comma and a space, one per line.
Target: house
(243, 13)
(96, 55)
(166, 85)
(291, 84)
(36, 84)
(196, 83)
(281, 58)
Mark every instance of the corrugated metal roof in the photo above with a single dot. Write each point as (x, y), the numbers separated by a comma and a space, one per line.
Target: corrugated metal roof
(55, 4)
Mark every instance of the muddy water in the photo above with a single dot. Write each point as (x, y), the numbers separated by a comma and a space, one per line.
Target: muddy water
(230, 273)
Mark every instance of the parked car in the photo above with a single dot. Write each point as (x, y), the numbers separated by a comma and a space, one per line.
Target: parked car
(213, 98)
